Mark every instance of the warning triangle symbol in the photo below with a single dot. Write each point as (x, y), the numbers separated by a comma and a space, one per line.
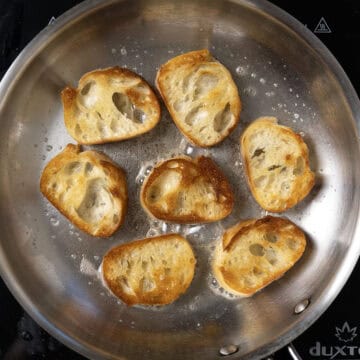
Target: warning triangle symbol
(51, 21)
(322, 27)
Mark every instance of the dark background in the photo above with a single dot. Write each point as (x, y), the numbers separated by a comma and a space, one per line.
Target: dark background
(20, 20)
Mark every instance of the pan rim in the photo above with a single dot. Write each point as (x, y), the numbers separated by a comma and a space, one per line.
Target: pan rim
(330, 291)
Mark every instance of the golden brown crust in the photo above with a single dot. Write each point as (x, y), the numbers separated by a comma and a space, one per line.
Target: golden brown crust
(184, 190)
(231, 232)
(152, 271)
(199, 64)
(285, 183)
(74, 182)
(267, 248)
(95, 118)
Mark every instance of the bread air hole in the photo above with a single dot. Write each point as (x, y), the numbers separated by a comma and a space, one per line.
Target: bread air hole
(77, 113)
(187, 83)
(195, 116)
(258, 152)
(299, 166)
(123, 104)
(285, 187)
(125, 285)
(167, 182)
(256, 249)
(144, 265)
(139, 116)
(85, 90)
(130, 264)
(204, 83)
(73, 168)
(292, 244)
(96, 202)
(115, 126)
(223, 118)
(273, 167)
(147, 284)
(179, 105)
(260, 181)
(257, 271)
(271, 237)
(126, 107)
(101, 126)
(88, 96)
(88, 168)
(271, 256)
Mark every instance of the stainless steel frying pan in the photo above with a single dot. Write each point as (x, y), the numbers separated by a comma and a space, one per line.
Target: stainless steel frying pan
(281, 69)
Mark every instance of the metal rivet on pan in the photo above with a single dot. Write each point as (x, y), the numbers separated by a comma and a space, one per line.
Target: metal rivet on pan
(301, 306)
(228, 350)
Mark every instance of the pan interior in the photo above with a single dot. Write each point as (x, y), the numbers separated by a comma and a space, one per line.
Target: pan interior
(53, 268)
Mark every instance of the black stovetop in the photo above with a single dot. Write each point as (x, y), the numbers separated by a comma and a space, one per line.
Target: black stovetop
(337, 24)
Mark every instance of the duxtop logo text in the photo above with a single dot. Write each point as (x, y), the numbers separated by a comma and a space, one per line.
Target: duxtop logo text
(346, 349)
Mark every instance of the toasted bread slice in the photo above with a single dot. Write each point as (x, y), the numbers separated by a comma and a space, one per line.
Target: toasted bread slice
(112, 104)
(186, 190)
(152, 271)
(88, 188)
(277, 164)
(201, 97)
(254, 253)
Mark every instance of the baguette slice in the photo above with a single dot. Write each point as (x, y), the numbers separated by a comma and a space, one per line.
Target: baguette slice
(88, 188)
(152, 271)
(112, 104)
(254, 253)
(277, 164)
(186, 190)
(201, 97)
